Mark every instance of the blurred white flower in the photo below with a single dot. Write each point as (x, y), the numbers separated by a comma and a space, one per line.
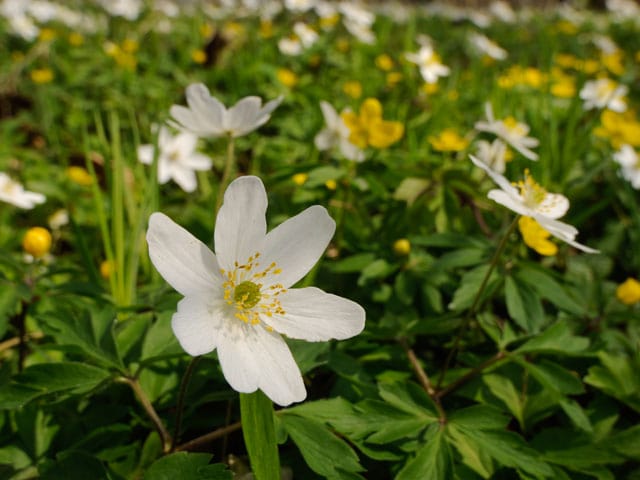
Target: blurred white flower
(177, 158)
(502, 11)
(358, 21)
(629, 163)
(290, 46)
(299, 5)
(239, 301)
(429, 63)
(494, 154)
(208, 117)
(307, 35)
(529, 199)
(336, 133)
(14, 193)
(487, 46)
(604, 93)
(511, 131)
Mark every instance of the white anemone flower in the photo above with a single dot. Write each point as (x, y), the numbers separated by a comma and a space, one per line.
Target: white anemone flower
(208, 117)
(529, 199)
(511, 131)
(494, 154)
(604, 93)
(14, 193)
(629, 162)
(429, 63)
(177, 158)
(239, 301)
(336, 133)
(487, 46)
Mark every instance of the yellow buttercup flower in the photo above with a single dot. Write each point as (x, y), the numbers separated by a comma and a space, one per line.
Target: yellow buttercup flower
(367, 128)
(331, 184)
(613, 62)
(619, 128)
(384, 62)
(76, 39)
(266, 29)
(300, 178)
(448, 140)
(37, 241)
(46, 35)
(393, 78)
(287, 77)
(536, 237)
(353, 89)
(79, 176)
(402, 247)
(199, 56)
(42, 75)
(106, 269)
(629, 291)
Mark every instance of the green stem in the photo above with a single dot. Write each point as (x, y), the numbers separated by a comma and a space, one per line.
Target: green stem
(184, 385)
(259, 435)
(229, 168)
(476, 300)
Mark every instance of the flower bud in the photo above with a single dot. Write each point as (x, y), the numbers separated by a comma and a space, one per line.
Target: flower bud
(37, 241)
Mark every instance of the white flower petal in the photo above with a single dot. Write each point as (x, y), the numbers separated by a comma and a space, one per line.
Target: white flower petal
(240, 118)
(554, 205)
(563, 231)
(186, 119)
(185, 178)
(145, 154)
(512, 203)
(324, 140)
(500, 180)
(298, 243)
(197, 161)
(236, 352)
(314, 315)
(183, 261)
(241, 223)
(196, 325)
(207, 110)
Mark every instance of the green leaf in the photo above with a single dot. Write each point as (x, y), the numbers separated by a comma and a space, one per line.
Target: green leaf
(377, 269)
(259, 434)
(72, 465)
(432, 461)
(557, 339)
(352, 264)
(618, 377)
(45, 378)
(472, 454)
(576, 414)
(187, 466)
(91, 332)
(409, 397)
(502, 388)
(627, 443)
(469, 287)
(160, 342)
(524, 307)
(481, 417)
(325, 453)
(550, 289)
(552, 376)
(410, 189)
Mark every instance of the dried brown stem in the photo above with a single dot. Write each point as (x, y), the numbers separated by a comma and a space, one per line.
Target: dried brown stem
(208, 437)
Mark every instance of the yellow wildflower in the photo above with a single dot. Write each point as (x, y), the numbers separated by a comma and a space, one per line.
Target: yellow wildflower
(329, 22)
(536, 237)
(80, 176)
(207, 30)
(37, 241)
(619, 128)
(613, 62)
(331, 184)
(430, 88)
(106, 269)
(353, 89)
(300, 178)
(76, 39)
(266, 28)
(384, 62)
(402, 247)
(47, 34)
(367, 128)
(393, 78)
(448, 140)
(199, 56)
(629, 291)
(562, 85)
(42, 75)
(566, 27)
(287, 77)
(130, 45)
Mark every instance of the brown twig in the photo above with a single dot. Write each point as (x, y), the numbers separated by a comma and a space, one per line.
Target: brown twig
(220, 432)
(15, 341)
(470, 374)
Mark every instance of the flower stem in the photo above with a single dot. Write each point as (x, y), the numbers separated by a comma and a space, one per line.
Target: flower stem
(476, 301)
(229, 168)
(184, 385)
(208, 437)
(259, 435)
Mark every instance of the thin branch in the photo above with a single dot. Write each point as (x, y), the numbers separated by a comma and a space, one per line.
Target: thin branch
(15, 341)
(209, 437)
(165, 437)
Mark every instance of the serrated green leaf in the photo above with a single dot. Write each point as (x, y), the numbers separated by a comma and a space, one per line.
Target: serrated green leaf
(627, 443)
(548, 288)
(470, 284)
(433, 460)
(502, 387)
(524, 307)
(187, 466)
(159, 341)
(576, 414)
(481, 417)
(552, 376)
(325, 453)
(408, 397)
(410, 189)
(472, 454)
(556, 339)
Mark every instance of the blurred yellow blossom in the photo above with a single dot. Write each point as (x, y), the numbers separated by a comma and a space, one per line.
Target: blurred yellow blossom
(42, 75)
(76, 39)
(629, 291)
(402, 247)
(536, 237)
(130, 45)
(331, 184)
(287, 77)
(448, 140)
(343, 45)
(393, 78)
(367, 128)
(329, 21)
(430, 88)
(613, 62)
(80, 176)
(106, 269)
(353, 89)
(300, 178)
(207, 30)
(562, 85)
(47, 34)
(566, 27)
(37, 241)
(619, 128)
(384, 62)
(266, 28)
(199, 56)
(519, 76)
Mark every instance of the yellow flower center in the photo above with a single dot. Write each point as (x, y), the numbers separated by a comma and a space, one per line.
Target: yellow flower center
(514, 126)
(531, 192)
(247, 295)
